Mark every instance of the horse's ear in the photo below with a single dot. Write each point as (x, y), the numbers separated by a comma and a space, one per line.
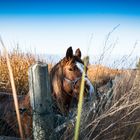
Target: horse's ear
(69, 52)
(78, 53)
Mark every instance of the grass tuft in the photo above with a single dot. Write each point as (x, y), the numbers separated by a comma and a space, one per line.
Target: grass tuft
(79, 109)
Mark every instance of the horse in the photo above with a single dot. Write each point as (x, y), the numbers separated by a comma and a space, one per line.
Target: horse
(66, 78)
(8, 119)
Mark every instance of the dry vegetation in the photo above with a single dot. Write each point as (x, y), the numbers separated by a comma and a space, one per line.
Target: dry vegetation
(100, 75)
(20, 63)
(117, 114)
(116, 118)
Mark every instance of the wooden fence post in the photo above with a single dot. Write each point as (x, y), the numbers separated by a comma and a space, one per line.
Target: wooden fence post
(41, 103)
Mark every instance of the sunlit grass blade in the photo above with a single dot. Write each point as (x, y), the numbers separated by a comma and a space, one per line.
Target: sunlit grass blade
(13, 88)
(79, 111)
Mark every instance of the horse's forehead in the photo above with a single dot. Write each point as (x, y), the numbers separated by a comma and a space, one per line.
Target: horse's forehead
(80, 66)
(76, 62)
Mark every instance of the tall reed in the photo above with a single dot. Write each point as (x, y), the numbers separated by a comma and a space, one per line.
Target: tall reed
(80, 103)
(13, 88)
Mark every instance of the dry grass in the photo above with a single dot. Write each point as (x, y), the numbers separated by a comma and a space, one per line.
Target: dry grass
(100, 75)
(20, 63)
(13, 90)
(118, 118)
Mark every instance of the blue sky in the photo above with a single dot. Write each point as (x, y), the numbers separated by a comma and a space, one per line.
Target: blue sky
(57, 7)
(52, 26)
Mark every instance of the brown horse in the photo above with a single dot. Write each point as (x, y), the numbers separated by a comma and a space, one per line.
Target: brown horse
(8, 120)
(65, 85)
(66, 78)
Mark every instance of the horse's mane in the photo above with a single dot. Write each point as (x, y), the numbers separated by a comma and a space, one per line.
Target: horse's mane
(57, 73)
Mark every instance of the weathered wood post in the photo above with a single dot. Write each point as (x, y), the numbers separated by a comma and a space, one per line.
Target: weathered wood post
(41, 103)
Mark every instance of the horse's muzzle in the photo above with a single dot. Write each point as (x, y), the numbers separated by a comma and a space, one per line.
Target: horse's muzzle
(89, 86)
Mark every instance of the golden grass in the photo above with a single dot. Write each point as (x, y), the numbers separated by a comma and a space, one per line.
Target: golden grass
(13, 90)
(20, 63)
(100, 75)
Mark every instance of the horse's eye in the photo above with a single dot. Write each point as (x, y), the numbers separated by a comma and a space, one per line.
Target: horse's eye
(70, 69)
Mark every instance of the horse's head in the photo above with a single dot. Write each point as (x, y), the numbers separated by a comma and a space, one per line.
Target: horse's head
(66, 79)
(73, 67)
